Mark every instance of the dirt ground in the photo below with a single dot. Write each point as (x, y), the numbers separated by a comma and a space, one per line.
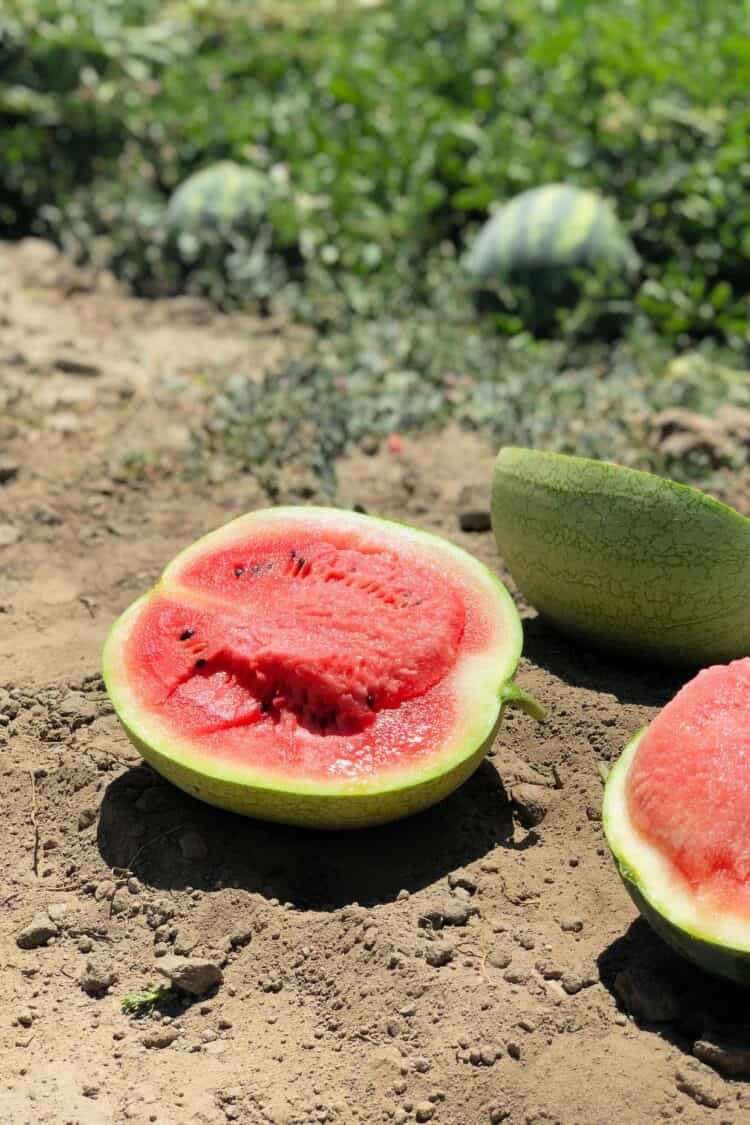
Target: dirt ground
(459, 967)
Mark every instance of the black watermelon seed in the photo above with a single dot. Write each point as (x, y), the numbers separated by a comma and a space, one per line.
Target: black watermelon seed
(370, 700)
(293, 553)
(300, 563)
(200, 663)
(186, 634)
(239, 571)
(265, 707)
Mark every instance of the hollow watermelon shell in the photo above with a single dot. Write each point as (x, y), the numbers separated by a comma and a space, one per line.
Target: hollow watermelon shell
(317, 667)
(676, 814)
(627, 560)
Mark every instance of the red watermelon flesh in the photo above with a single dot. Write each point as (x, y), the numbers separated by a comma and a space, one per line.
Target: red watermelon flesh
(688, 787)
(324, 653)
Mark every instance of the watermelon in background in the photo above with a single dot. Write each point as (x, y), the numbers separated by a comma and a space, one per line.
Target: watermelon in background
(224, 195)
(554, 228)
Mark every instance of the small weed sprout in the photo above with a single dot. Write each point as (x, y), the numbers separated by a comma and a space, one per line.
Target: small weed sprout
(141, 1003)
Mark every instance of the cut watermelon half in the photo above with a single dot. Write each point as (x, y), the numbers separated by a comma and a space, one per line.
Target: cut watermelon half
(677, 818)
(317, 667)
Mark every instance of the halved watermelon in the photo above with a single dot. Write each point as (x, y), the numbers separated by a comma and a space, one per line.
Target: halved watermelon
(317, 666)
(677, 818)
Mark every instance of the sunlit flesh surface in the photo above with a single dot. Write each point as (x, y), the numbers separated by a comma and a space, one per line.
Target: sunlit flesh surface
(688, 788)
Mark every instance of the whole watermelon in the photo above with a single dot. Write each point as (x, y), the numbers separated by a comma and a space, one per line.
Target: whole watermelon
(223, 196)
(551, 229)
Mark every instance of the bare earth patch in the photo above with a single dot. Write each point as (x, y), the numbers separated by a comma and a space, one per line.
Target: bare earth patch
(476, 964)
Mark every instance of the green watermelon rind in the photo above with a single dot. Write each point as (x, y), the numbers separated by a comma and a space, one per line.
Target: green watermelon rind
(341, 803)
(551, 228)
(625, 560)
(224, 194)
(689, 936)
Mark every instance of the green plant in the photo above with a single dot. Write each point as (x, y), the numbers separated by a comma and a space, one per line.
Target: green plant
(141, 1003)
(388, 132)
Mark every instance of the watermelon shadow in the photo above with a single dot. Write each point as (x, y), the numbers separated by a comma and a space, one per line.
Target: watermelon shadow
(581, 665)
(172, 841)
(668, 996)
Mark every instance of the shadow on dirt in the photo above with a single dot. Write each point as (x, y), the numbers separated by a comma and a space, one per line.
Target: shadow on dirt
(577, 664)
(172, 841)
(668, 996)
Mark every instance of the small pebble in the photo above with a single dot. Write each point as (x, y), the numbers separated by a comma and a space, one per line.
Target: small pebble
(38, 933)
(160, 1037)
(530, 803)
(499, 958)
(97, 976)
(571, 925)
(195, 976)
(438, 954)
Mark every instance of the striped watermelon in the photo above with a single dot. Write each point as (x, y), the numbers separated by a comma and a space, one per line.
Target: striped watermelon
(223, 195)
(551, 228)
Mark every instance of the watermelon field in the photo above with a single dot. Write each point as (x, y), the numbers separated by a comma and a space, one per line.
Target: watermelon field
(339, 253)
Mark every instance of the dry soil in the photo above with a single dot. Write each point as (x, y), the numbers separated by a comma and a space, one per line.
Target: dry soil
(462, 967)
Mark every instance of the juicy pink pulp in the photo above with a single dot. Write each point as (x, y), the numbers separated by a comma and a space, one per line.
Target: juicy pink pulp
(689, 785)
(313, 653)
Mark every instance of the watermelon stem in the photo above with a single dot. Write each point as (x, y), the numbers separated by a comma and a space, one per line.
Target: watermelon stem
(513, 696)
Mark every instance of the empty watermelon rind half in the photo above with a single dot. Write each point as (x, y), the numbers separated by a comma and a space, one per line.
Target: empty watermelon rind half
(716, 940)
(317, 667)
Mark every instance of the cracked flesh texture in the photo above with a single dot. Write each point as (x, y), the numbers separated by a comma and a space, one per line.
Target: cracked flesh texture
(623, 559)
(676, 816)
(316, 666)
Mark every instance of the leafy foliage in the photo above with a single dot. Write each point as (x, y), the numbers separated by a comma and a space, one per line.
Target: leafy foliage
(401, 376)
(387, 132)
(141, 1003)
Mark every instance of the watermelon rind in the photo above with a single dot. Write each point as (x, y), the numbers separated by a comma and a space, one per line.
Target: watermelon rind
(719, 944)
(551, 227)
(625, 560)
(484, 688)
